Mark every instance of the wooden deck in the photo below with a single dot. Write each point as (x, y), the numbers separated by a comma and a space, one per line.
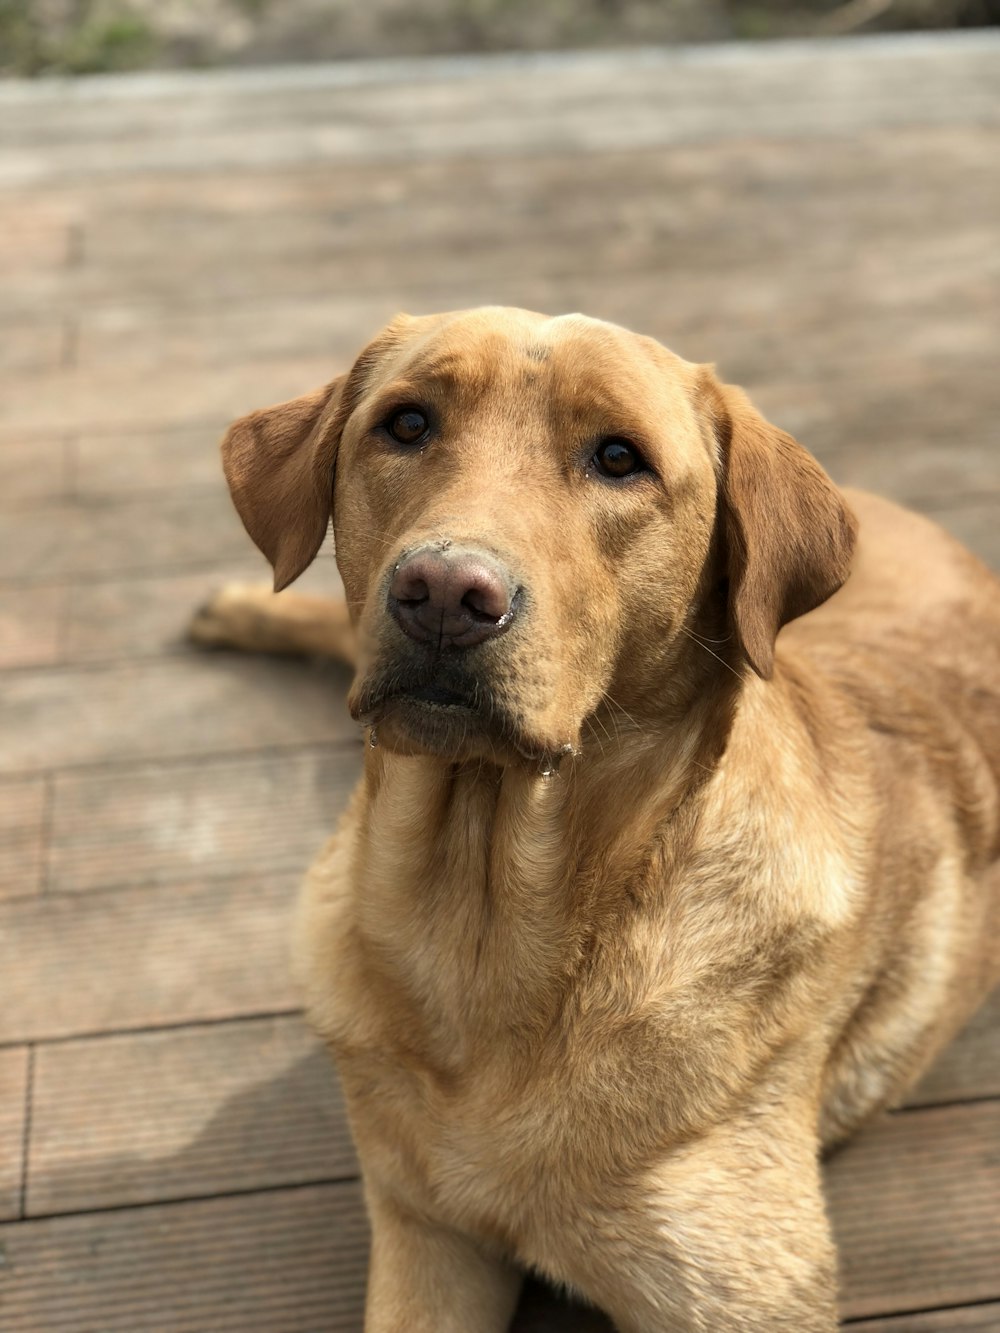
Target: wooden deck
(823, 222)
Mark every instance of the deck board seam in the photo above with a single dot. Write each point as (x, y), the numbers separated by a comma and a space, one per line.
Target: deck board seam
(347, 745)
(151, 1029)
(45, 834)
(975, 1099)
(29, 1096)
(199, 565)
(251, 1191)
(893, 1315)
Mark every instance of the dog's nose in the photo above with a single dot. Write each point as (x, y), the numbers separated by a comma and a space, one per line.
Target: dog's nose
(452, 596)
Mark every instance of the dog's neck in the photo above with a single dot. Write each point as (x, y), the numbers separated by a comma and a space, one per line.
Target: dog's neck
(494, 884)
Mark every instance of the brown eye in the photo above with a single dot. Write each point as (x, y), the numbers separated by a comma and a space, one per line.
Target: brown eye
(617, 458)
(408, 427)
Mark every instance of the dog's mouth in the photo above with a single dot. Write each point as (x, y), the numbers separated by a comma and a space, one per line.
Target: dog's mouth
(446, 714)
(419, 690)
(441, 713)
(433, 695)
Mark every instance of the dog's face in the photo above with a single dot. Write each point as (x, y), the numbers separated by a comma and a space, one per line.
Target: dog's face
(520, 503)
(530, 514)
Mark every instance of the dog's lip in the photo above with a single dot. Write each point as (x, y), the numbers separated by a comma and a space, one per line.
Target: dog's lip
(433, 696)
(438, 698)
(425, 694)
(469, 697)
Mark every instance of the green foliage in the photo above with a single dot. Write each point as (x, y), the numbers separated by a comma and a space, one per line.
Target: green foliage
(21, 38)
(753, 22)
(92, 38)
(109, 45)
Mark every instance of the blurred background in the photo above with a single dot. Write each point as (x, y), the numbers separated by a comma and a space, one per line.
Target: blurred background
(180, 243)
(93, 36)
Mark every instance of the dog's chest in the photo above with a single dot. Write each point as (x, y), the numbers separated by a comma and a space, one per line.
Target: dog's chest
(495, 1088)
(498, 1156)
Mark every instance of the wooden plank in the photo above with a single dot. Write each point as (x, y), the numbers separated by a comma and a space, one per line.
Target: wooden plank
(291, 1259)
(922, 473)
(107, 962)
(30, 621)
(149, 460)
(969, 1067)
(108, 619)
(867, 317)
(934, 188)
(360, 210)
(439, 265)
(545, 218)
(33, 233)
(113, 619)
(457, 210)
(525, 269)
(544, 1311)
(914, 1209)
(173, 708)
(15, 1068)
(182, 1114)
(160, 823)
(875, 374)
(37, 345)
(32, 469)
(77, 541)
(111, 398)
(972, 1319)
(148, 335)
(23, 820)
(495, 106)
(848, 295)
(918, 452)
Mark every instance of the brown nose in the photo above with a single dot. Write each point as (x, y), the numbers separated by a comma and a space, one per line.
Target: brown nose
(452, 596)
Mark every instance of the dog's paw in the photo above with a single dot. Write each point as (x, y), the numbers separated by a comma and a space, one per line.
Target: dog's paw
(237, 616)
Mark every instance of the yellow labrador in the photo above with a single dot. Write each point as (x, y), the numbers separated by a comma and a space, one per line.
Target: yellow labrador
(634, 910)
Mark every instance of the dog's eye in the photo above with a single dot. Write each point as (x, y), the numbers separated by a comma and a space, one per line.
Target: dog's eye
(409, 426)
(614, 457)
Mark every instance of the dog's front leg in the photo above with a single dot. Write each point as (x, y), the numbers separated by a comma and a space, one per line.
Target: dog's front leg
(425, 1279)
(727, 1234)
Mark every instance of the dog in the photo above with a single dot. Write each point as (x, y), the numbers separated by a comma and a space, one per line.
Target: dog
(639, 905)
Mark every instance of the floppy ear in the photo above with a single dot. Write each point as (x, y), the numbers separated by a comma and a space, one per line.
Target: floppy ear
(279, 465)
(788, 535)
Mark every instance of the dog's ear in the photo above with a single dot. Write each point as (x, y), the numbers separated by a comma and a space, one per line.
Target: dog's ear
(279, 465)
(279, 462)
(787, 534)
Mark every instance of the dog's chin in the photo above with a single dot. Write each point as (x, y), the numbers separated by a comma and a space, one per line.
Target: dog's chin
(408, 725)
(432, 719)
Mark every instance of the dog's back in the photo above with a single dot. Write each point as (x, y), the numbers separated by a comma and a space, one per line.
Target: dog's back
(911, 645)
(917, 628)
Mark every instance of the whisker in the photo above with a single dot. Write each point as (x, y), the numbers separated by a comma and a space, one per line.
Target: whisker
(694, 639)
(624, 712)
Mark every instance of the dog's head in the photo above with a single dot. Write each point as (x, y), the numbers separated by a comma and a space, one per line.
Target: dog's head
(532, 517)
